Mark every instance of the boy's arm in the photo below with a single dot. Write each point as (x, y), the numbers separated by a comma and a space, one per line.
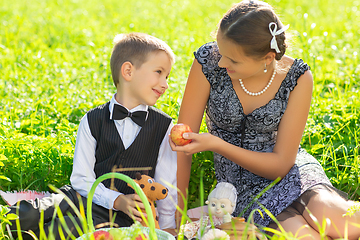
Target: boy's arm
(83, 175)
(165, 174)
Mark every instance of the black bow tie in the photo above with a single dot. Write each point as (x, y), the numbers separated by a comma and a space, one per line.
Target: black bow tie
(120, 112)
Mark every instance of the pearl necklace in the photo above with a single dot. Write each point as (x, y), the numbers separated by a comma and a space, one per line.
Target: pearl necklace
(262, 91)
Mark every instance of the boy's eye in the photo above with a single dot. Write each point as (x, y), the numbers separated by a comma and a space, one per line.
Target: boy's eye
(159, 71)
(222, 205)
(213, 204)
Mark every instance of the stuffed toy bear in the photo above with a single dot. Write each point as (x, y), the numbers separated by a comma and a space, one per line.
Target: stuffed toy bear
(154, 191)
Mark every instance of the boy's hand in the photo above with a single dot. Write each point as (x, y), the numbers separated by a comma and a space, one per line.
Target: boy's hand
(128, 204)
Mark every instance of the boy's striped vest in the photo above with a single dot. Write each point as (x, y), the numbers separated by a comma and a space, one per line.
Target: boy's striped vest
(110, 151)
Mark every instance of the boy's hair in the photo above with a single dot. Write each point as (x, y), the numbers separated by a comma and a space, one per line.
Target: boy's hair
(247, 24)
(134, 48)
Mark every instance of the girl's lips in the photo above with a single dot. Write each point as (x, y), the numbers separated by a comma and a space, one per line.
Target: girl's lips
(229, 71)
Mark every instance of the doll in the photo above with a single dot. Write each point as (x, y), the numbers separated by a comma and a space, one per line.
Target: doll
(221, 203)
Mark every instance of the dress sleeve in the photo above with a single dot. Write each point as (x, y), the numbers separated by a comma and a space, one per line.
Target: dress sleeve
(298, 69)
(208, 56)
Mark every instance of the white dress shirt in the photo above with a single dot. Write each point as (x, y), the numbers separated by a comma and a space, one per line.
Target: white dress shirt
(83, 174)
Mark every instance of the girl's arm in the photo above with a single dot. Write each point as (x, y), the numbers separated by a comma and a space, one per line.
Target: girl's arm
(268, 165)
(191, 113)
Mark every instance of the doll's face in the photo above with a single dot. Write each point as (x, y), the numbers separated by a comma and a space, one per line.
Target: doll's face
(219, 207)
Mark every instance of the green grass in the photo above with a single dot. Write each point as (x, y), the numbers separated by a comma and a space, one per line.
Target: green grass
(54, 67)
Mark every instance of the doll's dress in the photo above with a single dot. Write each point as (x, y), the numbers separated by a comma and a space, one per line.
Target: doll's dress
(199, 227)
(255, 131)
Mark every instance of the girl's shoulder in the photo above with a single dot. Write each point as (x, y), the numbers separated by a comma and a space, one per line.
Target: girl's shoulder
(292, 69)
(210, 46)
(288, 63)
(208, 55)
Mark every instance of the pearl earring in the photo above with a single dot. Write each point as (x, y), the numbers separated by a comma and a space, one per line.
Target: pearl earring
(265, 70)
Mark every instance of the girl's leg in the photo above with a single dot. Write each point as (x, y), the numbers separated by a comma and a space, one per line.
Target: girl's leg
(291, 220)
(300, 228)
(328, 204)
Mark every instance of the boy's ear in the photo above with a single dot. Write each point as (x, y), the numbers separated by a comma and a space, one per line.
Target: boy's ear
(127, 69)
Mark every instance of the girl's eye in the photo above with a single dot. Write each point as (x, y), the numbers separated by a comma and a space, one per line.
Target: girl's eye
(158, 71)
(222, 205)
(213, 204)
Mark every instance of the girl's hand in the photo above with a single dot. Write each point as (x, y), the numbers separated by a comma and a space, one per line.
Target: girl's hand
(128, 204)
(200, 142)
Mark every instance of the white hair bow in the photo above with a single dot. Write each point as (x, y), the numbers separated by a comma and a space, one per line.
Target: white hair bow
(274, 32)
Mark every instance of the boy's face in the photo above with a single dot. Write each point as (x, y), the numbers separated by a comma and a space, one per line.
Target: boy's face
(219, 207)
(149, 81)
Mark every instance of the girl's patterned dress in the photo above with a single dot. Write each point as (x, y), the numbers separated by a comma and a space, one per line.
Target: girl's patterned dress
(255, 131)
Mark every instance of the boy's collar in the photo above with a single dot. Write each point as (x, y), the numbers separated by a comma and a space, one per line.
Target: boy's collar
(141, 107)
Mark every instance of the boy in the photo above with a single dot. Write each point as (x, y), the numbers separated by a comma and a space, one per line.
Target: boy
(125, 132)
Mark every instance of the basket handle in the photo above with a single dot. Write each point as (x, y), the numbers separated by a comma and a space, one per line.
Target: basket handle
(138, 190)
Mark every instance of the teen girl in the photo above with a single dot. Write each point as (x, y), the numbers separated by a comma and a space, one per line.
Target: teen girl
(257, 101)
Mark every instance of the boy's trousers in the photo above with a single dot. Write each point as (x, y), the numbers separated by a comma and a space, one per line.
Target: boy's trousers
(29, 212)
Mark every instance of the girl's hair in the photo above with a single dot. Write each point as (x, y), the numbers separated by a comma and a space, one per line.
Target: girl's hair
(247, 24)
(134, 47)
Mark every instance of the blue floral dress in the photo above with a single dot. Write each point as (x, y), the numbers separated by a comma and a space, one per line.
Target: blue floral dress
(255, 131)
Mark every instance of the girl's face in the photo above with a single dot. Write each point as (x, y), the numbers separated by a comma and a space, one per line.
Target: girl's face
(237, 64)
